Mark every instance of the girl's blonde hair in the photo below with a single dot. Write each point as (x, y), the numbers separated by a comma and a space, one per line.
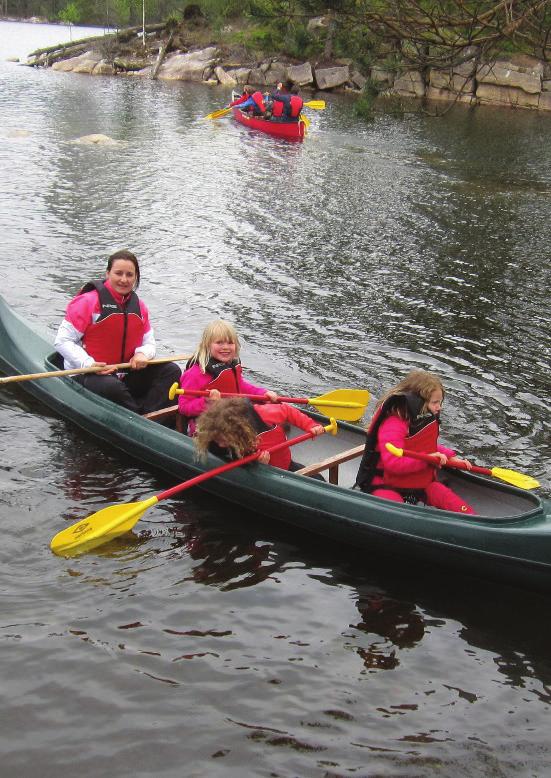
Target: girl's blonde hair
(419, 382)
(227, 420)
(215, 330)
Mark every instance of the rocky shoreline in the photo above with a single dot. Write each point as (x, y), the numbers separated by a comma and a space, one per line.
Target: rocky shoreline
(515, 81)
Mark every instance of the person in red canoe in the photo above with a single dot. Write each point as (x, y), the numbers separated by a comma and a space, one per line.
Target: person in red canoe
(107, 324)
(215, 367)
(251, 101)
(408, 416)
(286, 105)
(235, 428)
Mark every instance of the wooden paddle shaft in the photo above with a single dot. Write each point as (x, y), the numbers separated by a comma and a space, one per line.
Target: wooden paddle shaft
(82, 370)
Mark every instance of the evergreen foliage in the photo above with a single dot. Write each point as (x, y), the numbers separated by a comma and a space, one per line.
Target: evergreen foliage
(419, 33)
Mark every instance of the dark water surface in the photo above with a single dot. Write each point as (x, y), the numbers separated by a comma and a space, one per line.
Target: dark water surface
(217, 643)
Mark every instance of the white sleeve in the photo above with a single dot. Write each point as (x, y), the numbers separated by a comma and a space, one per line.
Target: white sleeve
(148, 346)
(68, 343)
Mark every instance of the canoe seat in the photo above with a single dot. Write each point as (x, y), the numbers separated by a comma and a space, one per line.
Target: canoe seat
(166, 414)
(332, 464)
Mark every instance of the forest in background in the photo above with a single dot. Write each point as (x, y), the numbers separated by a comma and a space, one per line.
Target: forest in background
(397, 33)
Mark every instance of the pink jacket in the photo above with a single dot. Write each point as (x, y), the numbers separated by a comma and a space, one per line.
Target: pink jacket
(394, 430)
(194, 378)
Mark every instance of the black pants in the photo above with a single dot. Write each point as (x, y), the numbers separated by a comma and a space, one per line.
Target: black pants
(142, 391)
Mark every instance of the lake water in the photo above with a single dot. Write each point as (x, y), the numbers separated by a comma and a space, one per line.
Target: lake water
(219, 643)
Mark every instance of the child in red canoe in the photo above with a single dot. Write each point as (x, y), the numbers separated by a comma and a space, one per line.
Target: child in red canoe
(237, 428)
(408, 416)
(215, 367)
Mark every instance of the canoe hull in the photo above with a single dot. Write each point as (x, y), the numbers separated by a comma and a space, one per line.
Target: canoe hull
(513, 544)
(287, 130)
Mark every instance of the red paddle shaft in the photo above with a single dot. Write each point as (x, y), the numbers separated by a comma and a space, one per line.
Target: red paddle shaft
(232, 465)
(450, 463)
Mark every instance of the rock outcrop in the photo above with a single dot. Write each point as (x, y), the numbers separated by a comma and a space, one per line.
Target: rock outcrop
(515, 81)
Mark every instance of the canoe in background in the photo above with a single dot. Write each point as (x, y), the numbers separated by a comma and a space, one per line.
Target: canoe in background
(288, 130)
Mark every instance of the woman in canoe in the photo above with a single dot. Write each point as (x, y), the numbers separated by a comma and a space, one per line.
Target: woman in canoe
(408, 416)
(215, 367)
(105, 324)
(235, 427)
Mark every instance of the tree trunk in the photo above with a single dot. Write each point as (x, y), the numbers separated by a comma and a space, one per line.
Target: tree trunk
(162, 53)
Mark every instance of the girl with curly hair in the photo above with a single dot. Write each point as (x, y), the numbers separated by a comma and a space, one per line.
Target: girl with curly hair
(235, 427)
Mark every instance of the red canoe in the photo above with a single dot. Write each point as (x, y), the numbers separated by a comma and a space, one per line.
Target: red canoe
(289, 130)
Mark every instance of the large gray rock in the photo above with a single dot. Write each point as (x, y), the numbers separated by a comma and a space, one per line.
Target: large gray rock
(509, 74)
(357, 79)
(544, 103)
(226, 79)
(257, 77)
(448, 79)
(434, 93)
(276, 72)
(103, 68)
(190, 66)
(241, 75)
(506, 95)
(382, 76)
(300, 74)
(84, 63)
(409, 84)
(329, 78)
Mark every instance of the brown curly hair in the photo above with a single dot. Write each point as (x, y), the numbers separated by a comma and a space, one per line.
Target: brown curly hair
(227, 423)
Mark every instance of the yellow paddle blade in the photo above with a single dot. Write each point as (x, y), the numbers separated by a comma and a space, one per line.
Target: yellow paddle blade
(99, 528)
(317, 105)
(514, 478)
(305, 120)
(344, 404)
(173, 391)
(217, 114)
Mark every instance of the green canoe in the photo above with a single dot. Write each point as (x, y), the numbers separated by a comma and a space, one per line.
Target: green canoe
(510, 539)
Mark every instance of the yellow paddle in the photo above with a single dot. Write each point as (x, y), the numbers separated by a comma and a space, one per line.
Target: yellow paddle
(115, 520)
(509, 476)
(343, 404)
(317, 105)
(10, 379)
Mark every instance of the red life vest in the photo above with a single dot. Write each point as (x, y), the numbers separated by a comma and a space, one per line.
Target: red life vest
(118, 331)
(277, 108)
(227, 380)
(258, 98)
(271, 437)
(296, 106)
(426, 440)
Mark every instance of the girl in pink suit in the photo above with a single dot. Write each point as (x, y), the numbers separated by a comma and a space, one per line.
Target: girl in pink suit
(215, 367)
(408, 416)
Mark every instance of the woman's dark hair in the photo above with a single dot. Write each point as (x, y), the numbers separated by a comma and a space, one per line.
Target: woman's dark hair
(128, 255)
